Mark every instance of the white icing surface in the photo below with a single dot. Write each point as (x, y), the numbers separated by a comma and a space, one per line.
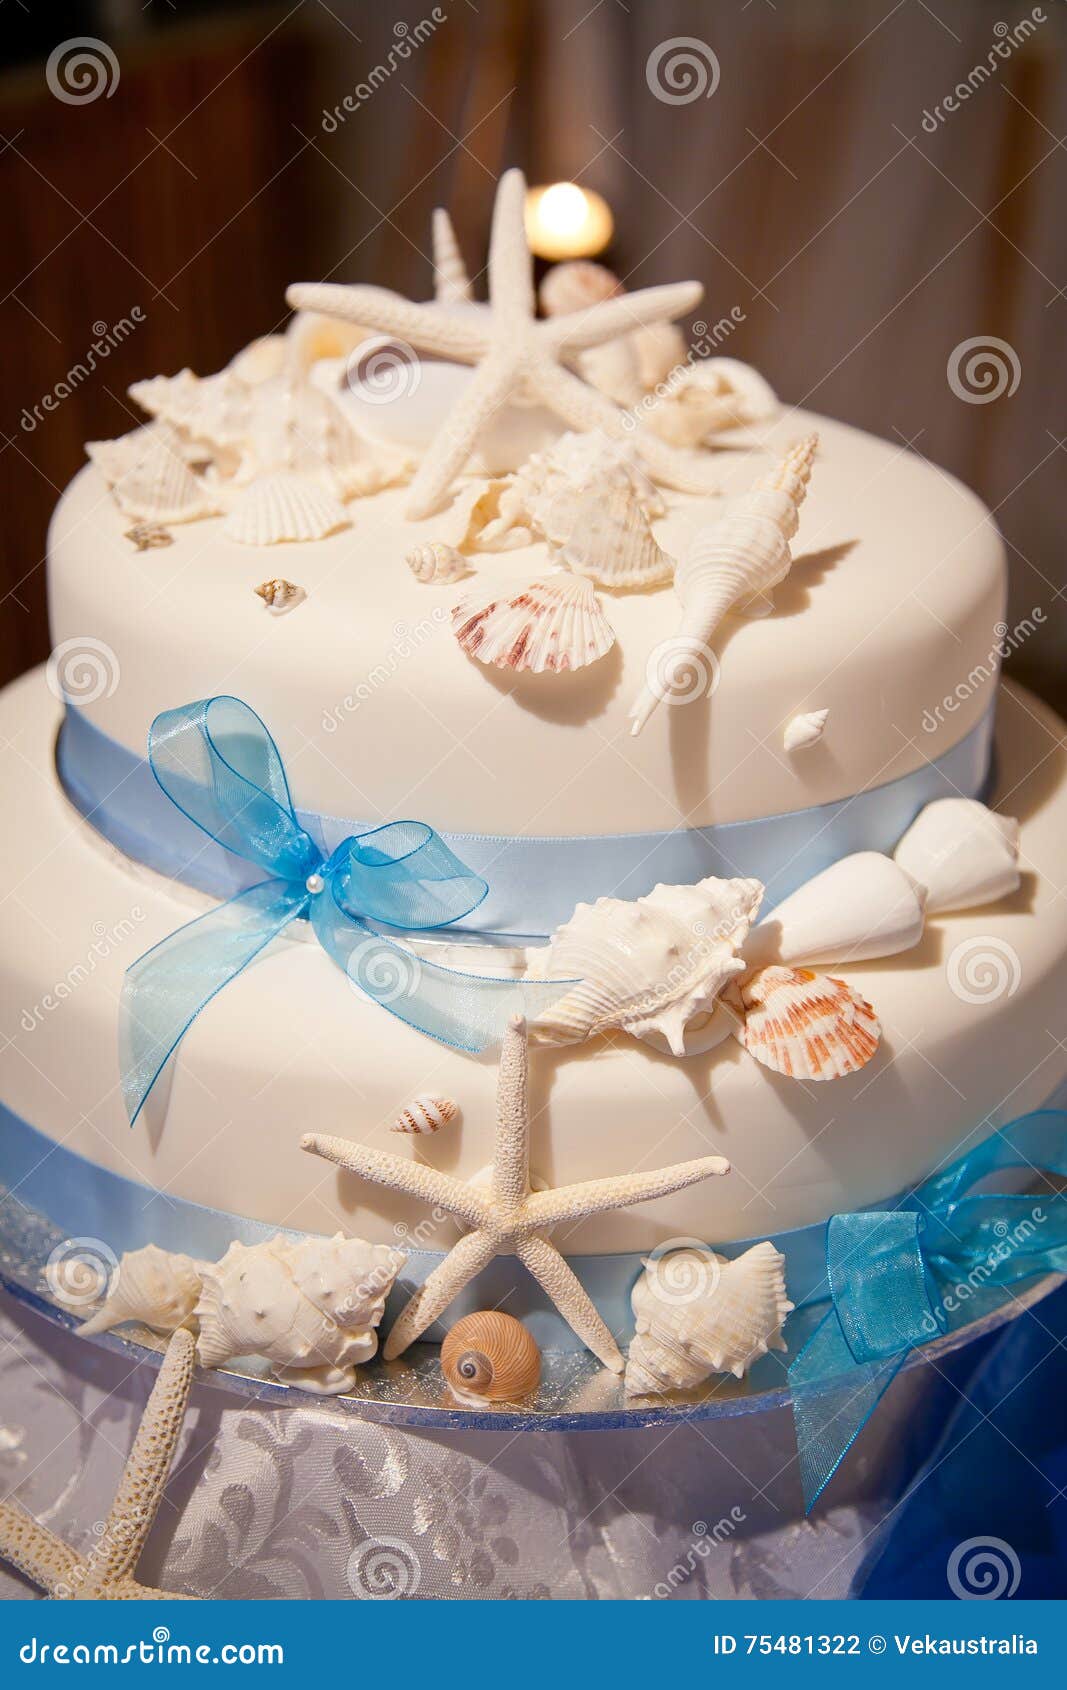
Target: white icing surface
(291, 1046)
(379, 714)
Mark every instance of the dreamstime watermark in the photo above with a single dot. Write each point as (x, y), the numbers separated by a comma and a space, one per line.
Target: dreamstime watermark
(1009, 37)
(682, 70)
(706, 1538)
(383, 970)
(408, 38)
(1007, 641)
(384, 1569)
(106, 940)
(983, 1569)
(78, 71)
(407, 642)
(108, 336)
(983, 969)
(983, 369)
(383, 369)
(680, 670)
(82, 670)
(682, 1270)
(707, 338)
(80, 1271)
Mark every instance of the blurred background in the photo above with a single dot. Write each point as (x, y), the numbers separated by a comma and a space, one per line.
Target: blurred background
(863, 189)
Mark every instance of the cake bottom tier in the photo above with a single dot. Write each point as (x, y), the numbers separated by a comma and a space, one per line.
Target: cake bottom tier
(974, 1026)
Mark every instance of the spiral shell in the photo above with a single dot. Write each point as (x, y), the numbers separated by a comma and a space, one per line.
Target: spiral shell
(280, 595)
(805, 1025)
(805, 730)
(425, 1115)
(158, 1288)
(147, 535)
(490, 1357)
(697, 1313)
(436, 561)
(554, 623)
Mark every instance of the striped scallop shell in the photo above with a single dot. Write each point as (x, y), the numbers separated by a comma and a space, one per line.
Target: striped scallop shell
(490, 1357)
(425, 1115)
(697, 1313)
(806, 1025)
(281, 507)
(554, 623)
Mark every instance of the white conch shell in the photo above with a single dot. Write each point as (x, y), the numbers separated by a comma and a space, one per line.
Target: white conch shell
(605, 535)
(435, 561)
(554, 623)
(158, 1288)
(804, 1025)
(735, 564)
(575, 286)
(648, 966)
(149, 477)
(425, 1114)
(698, 1313)
(805, 730)
(962, 852)
(451, 284)
(281, 507)
(310, 1307)
(862, 907)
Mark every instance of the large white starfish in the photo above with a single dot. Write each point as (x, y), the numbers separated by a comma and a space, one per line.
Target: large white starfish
(107, 1572)
(516, 354)
(509, 1215)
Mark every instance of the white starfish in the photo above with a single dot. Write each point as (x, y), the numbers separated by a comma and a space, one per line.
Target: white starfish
(515, 353)
(509, 1215)
(107, 1572)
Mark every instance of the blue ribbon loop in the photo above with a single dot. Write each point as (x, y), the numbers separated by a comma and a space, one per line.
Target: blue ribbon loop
(217, 763)
(946, 1255)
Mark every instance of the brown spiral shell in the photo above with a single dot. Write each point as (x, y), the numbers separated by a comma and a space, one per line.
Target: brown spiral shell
(490, 1357)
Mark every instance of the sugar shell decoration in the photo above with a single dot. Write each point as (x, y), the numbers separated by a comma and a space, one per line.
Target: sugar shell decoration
(156, 1288)
(698, 1313)
(490, 1357)
(554, 624)
(862, 907)
(436, 561)
(805, 730)
(425, 1114)
(963, 853)
(281, 507)
(805, 1025)
(280, 596)
(705, 396)
(605, 535)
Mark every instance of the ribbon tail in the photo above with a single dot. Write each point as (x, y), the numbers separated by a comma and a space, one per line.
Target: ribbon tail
(165, 990)
(833, 1396)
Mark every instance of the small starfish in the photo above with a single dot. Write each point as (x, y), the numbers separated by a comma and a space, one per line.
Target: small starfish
(516, 353)
(509, 1215)
(106, 1573)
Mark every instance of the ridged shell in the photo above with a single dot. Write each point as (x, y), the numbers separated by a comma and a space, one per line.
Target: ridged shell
(155, 1287)
(805, 730)
(553, 624)
(962, 852)
(575, 286)
(490, 1357)
(648, 966)
(281, 507)
(280, 596)
(606, 536)
(805, 1025)
(309, 1307)
(698, 1313)
(149, 477)
(425, 1115)
(451, 284)
(437, 562)
(862, 907)
(589, 462)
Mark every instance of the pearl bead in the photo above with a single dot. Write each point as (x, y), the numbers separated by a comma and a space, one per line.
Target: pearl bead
(314, 883)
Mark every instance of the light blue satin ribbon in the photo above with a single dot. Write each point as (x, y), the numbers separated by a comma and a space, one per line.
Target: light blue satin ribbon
(938, 1260)
(535, 882)
(219, 766)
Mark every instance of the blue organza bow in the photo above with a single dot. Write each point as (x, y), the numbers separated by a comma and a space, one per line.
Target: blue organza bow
(217, 762)
(898, 1278)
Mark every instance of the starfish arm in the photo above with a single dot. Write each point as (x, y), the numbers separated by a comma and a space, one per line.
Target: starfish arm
(38, 1553)
(510, 264)
(511, 1161)
(486, 391)
(621, 1191)
(396, 1173)
(570, 1297)
(128, 1590)
(576, 330)
(427, 327)
(438, 1289)
(145, 1474)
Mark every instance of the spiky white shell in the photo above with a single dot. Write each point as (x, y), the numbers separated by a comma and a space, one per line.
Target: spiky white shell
(310, 1307)
(281, 507)
(962, 852)
(435, 561)
(588, 462)
(149, 477)
(648, 966)
(698, 1313)
(861, 907)
(807, 1026)
(805, 730)
(158, 1288)
(606, 536)
(425, 1114)
(554, 623)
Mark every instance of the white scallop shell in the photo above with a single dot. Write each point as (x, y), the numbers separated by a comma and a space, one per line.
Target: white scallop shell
(805, 730)
(282, 507)
(310, 1307)
(962, 852)
(149, 477)
(698, 1313)
(804, 1025)
(425, 1114)
(435, 561)
(158, 1288)
(554, 624)
(862, 907)
(648, 966)
(575, 286)
(605, 535)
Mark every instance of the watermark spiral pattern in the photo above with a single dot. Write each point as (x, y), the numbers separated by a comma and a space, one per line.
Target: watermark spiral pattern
(383, 1569)
(983, 969)
(383, 971)
(682, 1270)
(79, 1271)
(983, 369)
(983, 1569)
(682, 70)
(679, 672)
(82, 69)
(383, 370)
(82, 670)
